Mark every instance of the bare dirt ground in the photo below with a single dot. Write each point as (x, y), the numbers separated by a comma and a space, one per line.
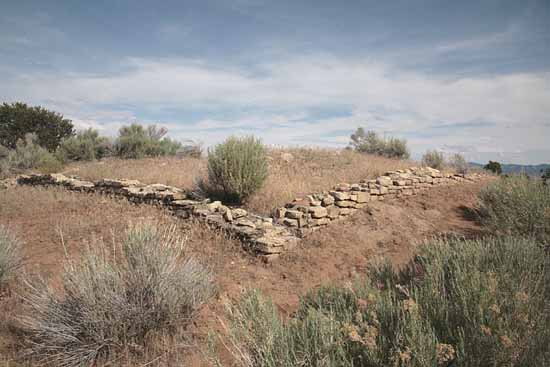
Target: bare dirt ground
(338, 253)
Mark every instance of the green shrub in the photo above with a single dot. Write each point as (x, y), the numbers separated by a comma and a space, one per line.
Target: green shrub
(10, 256)
(18, 120)
(494, 167)
(369, 142)
(517, 205)
(190, 150)
(113, 297)
(433, 159)
(459, 164)
(87, 145)
(135, 141)
(28, 155)
(237, 168)
(460, 303)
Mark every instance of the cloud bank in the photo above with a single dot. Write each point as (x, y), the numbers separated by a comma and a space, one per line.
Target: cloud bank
(318, 99)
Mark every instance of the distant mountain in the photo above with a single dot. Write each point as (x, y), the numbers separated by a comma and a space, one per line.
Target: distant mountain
(529, 169)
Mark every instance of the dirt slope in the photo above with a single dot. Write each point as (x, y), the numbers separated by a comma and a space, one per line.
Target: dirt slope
(333, 254)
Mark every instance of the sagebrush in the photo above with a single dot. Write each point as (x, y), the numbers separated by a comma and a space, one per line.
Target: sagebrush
(479, 303)
(136, 141)
(10, 255)
(113, 297)
(371, 143)
(459, 164)
(433, 159)
(87, 145)
(237, 168)
(28, 155)
(517, 205)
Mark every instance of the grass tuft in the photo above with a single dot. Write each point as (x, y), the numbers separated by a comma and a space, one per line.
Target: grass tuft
(113, 298)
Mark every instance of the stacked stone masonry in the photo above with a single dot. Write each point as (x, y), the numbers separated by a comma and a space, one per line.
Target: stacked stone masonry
(264, 236)
(259, 234)
(316, 210)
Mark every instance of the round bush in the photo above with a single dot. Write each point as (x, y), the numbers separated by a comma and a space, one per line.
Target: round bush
(113, 297)
(237, 168)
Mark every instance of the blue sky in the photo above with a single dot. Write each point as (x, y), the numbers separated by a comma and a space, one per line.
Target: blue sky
(460, 76)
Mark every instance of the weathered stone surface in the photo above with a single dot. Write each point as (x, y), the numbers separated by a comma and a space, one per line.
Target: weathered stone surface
(400, 182)
(363, 197)
(238, 213)
(228, 215)
(279, 213)
(328, 200)
(290, 222)
(333, 211)
(344, 203)
(340, 195)
(319, 222)
(313, 201)
(343, 187)
(244, 222)
(318, 211)
(374, 191)
(293, 214)
(384, 181)
(183, 203)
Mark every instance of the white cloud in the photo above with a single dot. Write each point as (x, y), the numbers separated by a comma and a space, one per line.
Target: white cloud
(282, 93)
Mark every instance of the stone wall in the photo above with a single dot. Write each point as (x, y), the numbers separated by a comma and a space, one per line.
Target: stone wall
(259, 234)
(317, 210)
(264, 236)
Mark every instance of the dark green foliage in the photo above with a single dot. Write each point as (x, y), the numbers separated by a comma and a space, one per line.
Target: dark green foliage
(135, 141)
(460, 303)
(237, 168)
(433, 159)
(545, 175)
(369, 142)
(494, 167)
(517, 205)
(87, 145)
(18, 119)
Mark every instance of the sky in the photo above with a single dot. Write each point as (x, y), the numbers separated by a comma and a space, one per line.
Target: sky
(471, 77)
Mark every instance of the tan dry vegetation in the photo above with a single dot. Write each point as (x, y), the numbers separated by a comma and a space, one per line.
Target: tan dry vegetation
(39, 217)
(292, 172)
(179, 172)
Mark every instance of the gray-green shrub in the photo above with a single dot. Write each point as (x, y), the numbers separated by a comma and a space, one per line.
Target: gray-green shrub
(135, 141)
(10, 255)
(87, 145)
(433, 159)
(459, 164)
(480, 303)
(517, 205)
(370, 142)
(113, 297)
(237, 168)
(29, 155)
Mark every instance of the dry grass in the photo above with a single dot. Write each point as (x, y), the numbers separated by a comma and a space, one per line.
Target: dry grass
(315, 170)
(180, 172)
(39, 217)
(292, 172)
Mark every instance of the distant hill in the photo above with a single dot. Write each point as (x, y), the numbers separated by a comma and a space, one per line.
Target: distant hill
(529, 169)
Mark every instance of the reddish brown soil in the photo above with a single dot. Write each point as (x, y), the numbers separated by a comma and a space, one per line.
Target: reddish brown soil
(337, 253)
(340, 253)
